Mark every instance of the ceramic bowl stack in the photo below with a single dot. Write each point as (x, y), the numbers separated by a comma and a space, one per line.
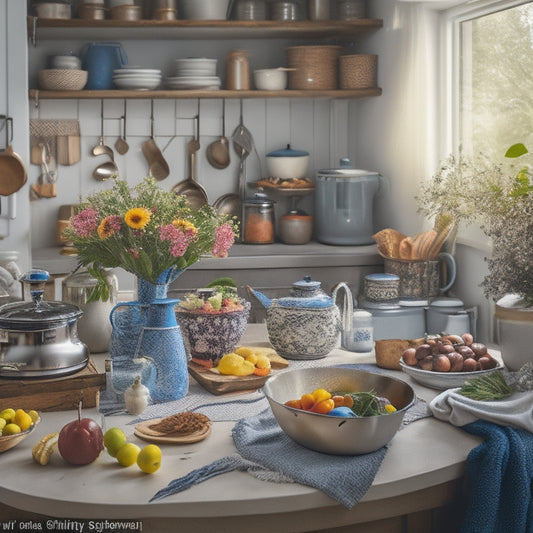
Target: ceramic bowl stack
(195, 73)
(137, 79)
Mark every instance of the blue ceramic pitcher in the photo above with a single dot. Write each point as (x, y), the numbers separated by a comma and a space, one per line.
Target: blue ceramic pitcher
(100, 60)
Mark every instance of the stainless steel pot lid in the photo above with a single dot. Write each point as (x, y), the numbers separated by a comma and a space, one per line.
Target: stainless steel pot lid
(346, 170)
(36, 314)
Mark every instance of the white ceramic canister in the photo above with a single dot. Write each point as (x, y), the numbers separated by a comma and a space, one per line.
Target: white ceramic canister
(361, 337)
(398, 322)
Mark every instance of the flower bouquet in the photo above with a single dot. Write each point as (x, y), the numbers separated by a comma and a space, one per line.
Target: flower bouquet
(147, 231)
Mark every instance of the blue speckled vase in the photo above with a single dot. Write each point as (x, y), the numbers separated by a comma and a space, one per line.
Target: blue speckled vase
(161, 342)
(129, 320)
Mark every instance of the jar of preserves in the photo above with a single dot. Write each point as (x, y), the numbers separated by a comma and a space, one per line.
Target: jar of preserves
(258, 220)
(237, 70)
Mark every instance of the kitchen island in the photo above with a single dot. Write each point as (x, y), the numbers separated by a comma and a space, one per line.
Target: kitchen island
(421, 472)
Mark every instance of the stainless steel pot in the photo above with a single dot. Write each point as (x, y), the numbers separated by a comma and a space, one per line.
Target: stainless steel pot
(39, 338)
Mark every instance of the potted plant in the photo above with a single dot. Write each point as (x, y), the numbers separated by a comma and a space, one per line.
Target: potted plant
(499, 197)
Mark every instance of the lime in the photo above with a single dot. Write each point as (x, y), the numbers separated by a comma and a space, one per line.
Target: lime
(127, 454)
(11, 429)
(114, 439)
(149, 459)
(8, 415)
(22, 419)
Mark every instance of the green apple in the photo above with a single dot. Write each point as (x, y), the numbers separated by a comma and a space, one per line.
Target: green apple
(114, 439)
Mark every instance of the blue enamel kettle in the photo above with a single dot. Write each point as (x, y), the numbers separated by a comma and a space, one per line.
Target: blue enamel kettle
(100, 60)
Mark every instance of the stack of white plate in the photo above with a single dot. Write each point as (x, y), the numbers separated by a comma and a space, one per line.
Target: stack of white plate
(137, 79)
(195, 73)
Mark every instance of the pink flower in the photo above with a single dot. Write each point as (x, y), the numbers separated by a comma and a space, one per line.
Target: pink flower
(224, 239)
(135, 253)
(178, 240)
(85, 222)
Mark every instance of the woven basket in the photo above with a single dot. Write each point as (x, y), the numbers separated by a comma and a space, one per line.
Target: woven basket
(358, 71)
(62, 79)
(316, 67)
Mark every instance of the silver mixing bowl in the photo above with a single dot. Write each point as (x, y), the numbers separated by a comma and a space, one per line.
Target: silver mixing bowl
(330, 434)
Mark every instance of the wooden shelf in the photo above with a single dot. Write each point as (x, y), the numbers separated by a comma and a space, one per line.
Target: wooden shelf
(196, 29)
(37, 94)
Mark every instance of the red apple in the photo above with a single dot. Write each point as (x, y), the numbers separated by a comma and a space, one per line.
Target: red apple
(80, 441)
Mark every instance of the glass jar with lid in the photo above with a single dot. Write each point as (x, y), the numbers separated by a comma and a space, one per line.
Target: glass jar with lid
(238, 70)
(258, 225)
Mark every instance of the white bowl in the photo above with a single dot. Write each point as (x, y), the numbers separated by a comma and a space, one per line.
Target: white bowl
(65, 62)
(196, 66)
(443, 380)
(270, 79)
(204, 9)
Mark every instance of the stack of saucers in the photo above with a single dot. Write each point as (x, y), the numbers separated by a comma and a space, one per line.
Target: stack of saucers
(195, 73)
(137, 79)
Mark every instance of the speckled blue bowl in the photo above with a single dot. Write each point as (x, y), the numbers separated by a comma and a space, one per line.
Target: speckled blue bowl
(210, 336)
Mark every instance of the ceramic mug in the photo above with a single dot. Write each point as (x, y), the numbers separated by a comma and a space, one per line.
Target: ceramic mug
(421, 280)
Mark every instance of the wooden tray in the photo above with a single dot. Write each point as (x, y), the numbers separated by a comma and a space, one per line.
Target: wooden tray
(220, 384)
(54, 394)
(143, 431)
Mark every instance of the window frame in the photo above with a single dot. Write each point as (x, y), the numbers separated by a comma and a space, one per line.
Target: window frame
(450, 74)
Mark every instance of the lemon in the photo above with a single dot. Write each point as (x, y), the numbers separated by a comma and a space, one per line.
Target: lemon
(236, 365)
(8, 415)
(11, 429)
(149, 459)
(127, 454)
(34, 415)
(114, 439)
(2, 424)
(22, 419)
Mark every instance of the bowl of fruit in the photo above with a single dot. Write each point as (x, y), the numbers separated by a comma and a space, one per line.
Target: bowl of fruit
(339, 411)
(15, 426)
(212, 321)
(445, 362)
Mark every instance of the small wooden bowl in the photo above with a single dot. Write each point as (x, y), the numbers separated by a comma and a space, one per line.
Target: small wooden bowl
(10, 441)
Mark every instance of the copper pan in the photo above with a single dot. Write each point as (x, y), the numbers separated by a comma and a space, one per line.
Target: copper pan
(13, 173)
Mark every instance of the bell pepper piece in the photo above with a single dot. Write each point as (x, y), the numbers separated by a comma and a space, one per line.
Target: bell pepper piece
(323, 407)
(296, 404)
(307, 401)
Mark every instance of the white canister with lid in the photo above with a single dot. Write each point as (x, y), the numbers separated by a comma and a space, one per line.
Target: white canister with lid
(361, 337)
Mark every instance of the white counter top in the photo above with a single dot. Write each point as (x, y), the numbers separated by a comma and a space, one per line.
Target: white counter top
(424, 454)
(247, 256)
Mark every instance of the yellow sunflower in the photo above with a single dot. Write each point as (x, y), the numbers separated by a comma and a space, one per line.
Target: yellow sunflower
(137, 218)
(185, 225)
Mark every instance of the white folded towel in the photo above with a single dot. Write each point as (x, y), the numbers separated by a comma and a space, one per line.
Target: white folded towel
(459, 410)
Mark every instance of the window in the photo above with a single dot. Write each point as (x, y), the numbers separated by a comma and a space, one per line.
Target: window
(494, 64)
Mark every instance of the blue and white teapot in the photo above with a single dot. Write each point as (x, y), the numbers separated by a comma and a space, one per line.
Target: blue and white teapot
(304, 325)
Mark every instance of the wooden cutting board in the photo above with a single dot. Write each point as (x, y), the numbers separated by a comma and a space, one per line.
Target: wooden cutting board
(143, 431)
(217, 383)
(68, 149)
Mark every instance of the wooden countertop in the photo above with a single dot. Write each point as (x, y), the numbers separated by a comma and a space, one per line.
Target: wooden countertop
(425, 458)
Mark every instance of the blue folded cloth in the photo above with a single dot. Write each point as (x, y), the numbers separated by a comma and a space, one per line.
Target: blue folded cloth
(267, 452)
(499, 476)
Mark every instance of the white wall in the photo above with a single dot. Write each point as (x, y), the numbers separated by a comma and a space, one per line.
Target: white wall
(15, 212)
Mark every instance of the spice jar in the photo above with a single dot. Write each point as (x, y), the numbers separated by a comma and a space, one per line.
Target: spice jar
(237, 70)
(258, 220)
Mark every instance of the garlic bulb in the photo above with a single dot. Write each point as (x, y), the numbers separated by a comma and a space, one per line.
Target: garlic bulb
(136, 397)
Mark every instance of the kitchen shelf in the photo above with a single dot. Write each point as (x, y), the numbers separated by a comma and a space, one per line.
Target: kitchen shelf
(37, 94)
(61, 29)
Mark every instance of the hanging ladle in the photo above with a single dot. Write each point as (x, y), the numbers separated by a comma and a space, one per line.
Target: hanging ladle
(121, 145)
(101, 148)
(106, 170)
(218, 151)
